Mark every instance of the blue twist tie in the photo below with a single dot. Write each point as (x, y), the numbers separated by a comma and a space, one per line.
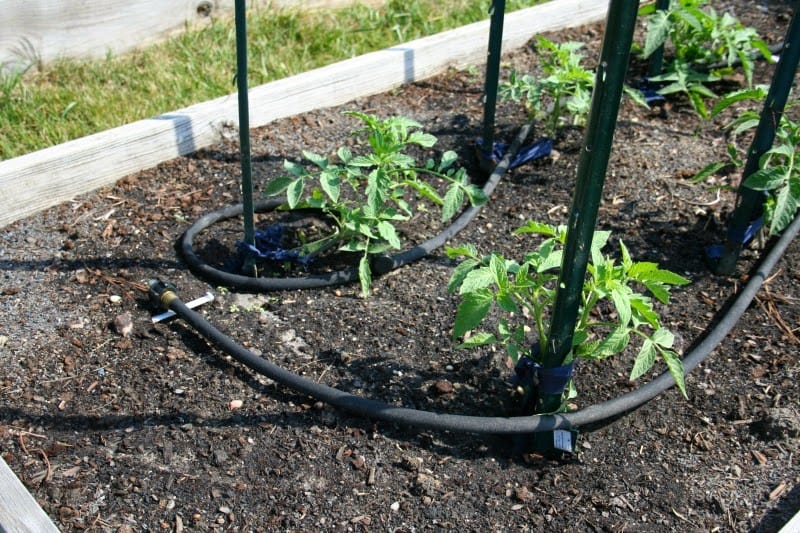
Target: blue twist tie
(537, 150)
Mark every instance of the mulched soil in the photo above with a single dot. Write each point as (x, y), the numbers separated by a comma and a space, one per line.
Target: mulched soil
(117, 424)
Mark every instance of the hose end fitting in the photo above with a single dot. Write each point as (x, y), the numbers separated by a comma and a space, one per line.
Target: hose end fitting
(162, 293)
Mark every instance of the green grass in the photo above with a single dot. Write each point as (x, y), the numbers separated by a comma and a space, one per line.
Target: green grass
(70, 99)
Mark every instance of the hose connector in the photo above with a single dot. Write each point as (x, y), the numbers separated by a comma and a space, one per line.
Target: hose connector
(162, 293)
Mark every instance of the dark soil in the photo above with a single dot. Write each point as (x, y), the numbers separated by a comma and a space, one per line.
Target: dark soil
(117, 424)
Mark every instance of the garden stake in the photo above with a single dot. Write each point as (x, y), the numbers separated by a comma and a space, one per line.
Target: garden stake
(609, 81)
(485, 145)
(244, 133)
(746, 218)
(656, 62)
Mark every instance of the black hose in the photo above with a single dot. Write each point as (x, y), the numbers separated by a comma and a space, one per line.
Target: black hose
(380, 264)
(476, 424)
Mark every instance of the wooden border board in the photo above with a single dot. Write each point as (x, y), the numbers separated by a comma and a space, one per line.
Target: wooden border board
(36, 32)
(41, 179)
(19, 512)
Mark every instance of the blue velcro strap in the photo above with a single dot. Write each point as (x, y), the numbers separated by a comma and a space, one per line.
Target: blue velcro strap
(537, 150)
(550, 381)
(553, 381)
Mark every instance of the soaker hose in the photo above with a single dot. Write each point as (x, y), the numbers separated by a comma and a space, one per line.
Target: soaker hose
(477, 424)
(380, 264)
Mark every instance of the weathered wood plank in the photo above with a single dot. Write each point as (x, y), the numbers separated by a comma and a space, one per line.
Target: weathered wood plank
(41, 179)
(33, 31)
(19, 512)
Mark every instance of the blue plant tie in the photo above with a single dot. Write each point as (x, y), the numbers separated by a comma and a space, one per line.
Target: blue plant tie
(553, 381)
(532, 376)
(537, 150)
(268, 246)
(716, 251)
(650, 91)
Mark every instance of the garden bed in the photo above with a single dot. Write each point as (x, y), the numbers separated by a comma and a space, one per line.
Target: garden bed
(114, 423)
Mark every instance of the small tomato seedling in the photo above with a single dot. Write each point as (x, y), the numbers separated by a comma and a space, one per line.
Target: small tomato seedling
(367, 194)
(611, 315)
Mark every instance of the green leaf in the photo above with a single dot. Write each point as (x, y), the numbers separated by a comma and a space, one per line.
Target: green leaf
(658, 290)
(696, 98)
(397, 159)
(660, 276)
(460, 272)
(476, 195)
(389, 234)
(294, 192)
(599, 240)
(707, 171)
(467, 250)
(767, 179)
(318, 160)
(506, 302)
(278, 185)
(644, 360)
(538, 228)
(784, 212)
(330, 185)
(477, 279)
(448, 159)
(478, 339)
(663, 337)
(363, 161)
(615, 343)
(746, 123)
(643, 310)
(758, 93)
(453, 199)
(550, 261)
(471, 311)
(364, 275)
(658, 27)
(623, 305)
(377, 247)
(345, 155)
(675, 366)
(295, 169)
(425, 140)
(498, 267)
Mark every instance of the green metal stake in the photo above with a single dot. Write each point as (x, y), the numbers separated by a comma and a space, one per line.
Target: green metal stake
(497, 11)
(749, 202)
(656, 62)
(592, 167)
(244, 130)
